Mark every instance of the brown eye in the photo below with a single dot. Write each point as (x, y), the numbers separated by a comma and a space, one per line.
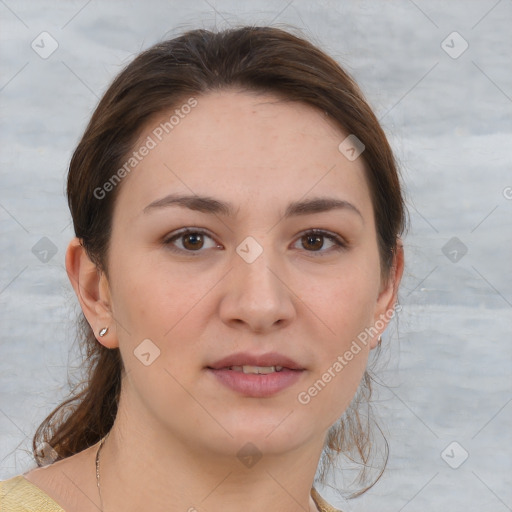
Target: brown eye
(313, 242)
(190, 241)
(193, 241)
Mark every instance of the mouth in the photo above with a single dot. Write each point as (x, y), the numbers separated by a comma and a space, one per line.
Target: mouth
(256, 363)
(256, 370)
(256, 376)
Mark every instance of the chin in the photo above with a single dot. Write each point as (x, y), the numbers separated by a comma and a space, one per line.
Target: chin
(270, 431)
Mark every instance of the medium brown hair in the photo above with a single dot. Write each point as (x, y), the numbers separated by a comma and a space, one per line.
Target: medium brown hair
(261, 59)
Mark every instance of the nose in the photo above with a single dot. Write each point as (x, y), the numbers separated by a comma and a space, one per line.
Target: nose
(256, 295)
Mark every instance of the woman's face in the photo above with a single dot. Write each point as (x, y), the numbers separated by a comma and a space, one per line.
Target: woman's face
(205, 320)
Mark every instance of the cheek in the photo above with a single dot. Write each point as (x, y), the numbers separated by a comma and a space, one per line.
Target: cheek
(345, 302)
(152, 313)
(168, 308)
(150, 300)
(345, 307)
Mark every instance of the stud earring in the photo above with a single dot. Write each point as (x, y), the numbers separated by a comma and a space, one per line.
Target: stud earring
(103, 332)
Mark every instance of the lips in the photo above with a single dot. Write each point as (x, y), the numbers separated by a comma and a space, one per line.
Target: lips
(256, 376)
(258, 370)
(243, 359)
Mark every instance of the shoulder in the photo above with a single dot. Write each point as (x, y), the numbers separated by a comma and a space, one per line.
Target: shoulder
(320, 503)
(19, 495)
(64, 485)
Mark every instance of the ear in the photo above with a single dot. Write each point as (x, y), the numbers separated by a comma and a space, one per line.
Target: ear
(93, 292)
(388, 294)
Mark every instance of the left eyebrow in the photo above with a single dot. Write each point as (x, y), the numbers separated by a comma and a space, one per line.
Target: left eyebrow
(210, 205)
(319, 205)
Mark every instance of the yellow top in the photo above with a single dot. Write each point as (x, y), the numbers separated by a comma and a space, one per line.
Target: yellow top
(20, 495)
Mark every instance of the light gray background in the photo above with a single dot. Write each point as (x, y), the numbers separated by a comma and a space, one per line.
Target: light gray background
(448, 370)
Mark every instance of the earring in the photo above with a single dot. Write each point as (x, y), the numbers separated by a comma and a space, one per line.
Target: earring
(103, 332)
(379, 341)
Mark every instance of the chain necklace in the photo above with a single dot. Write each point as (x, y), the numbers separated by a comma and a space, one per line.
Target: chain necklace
(98, 470)
(315, 496)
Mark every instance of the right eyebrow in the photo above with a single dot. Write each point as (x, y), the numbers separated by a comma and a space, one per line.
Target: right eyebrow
(193, 202)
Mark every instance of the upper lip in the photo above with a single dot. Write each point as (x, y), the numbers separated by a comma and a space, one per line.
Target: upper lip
(247, 359)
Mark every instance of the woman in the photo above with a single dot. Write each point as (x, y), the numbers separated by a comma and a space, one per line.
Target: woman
(238, 213)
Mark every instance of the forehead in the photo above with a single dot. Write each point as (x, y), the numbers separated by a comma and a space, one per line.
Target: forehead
(250, 147)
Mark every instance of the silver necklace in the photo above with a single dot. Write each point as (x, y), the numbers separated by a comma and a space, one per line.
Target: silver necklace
(98, 470)
(98, 474)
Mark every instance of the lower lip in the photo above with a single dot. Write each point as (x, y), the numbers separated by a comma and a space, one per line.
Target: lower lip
(257, 385)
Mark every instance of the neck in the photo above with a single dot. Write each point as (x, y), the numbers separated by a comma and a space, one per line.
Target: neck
(142, 469)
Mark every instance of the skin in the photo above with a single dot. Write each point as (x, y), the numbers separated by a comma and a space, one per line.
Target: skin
(174, 443)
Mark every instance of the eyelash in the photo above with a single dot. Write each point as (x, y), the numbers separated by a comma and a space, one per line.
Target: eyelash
(339, 243)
